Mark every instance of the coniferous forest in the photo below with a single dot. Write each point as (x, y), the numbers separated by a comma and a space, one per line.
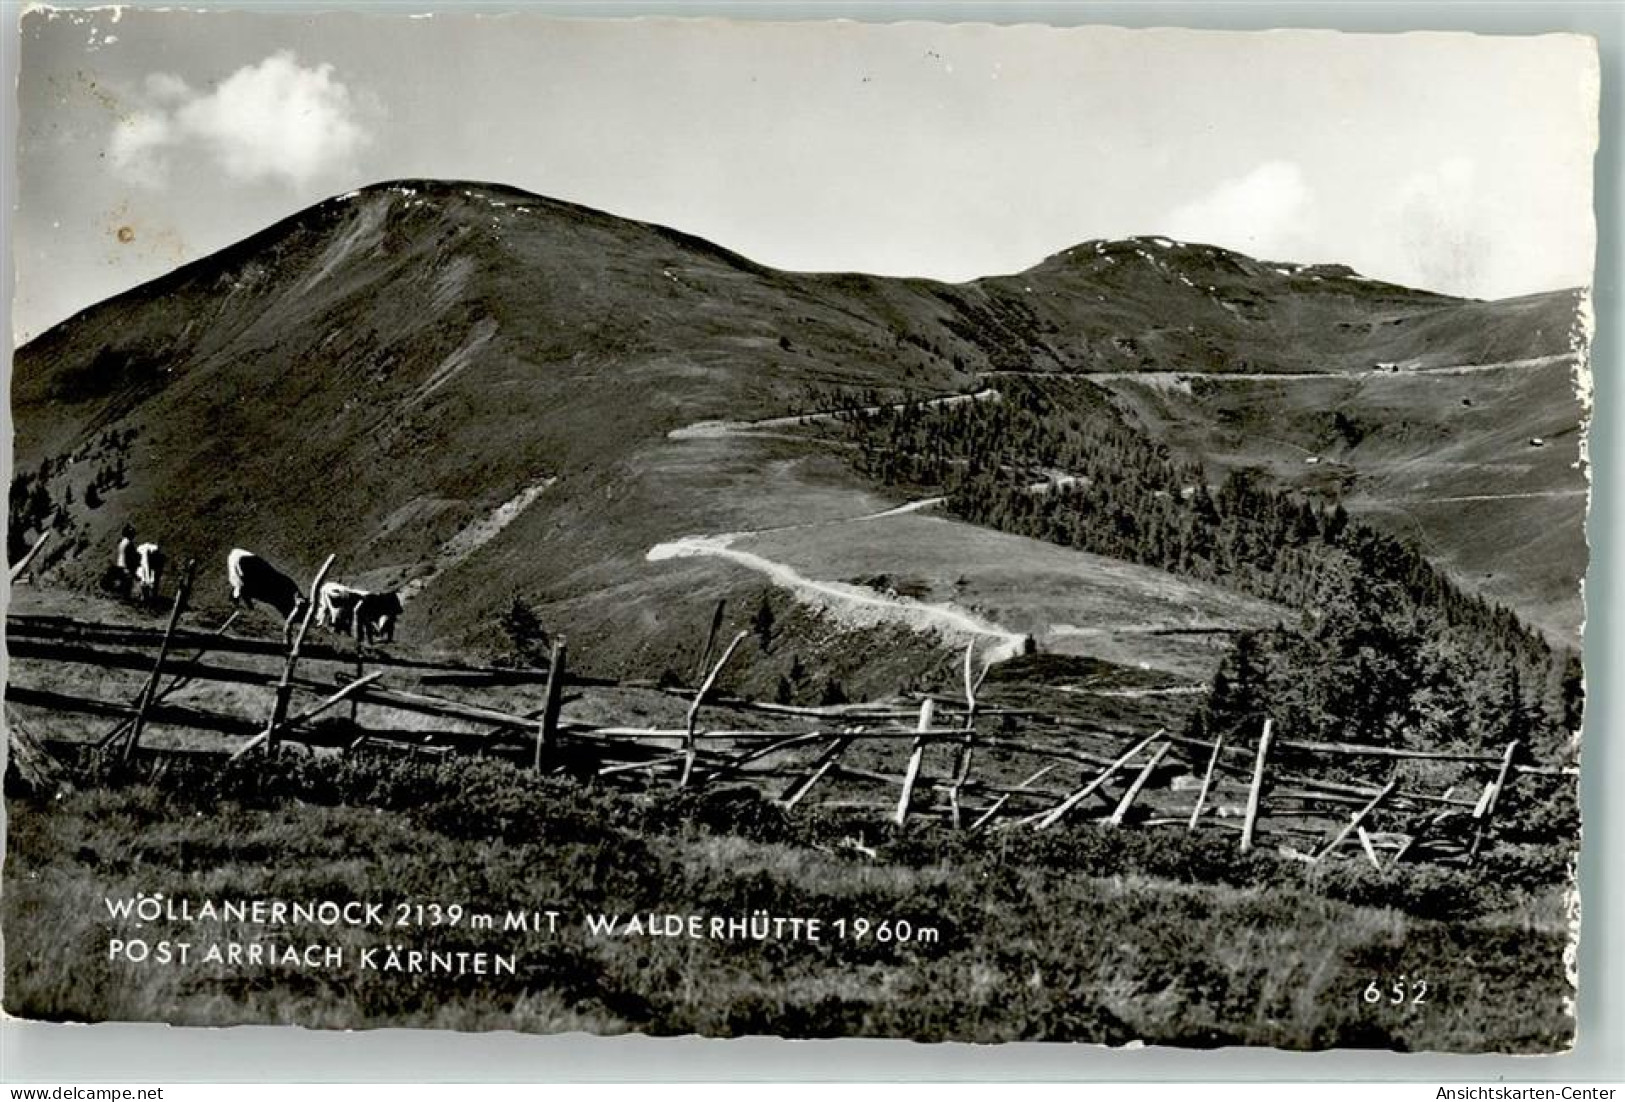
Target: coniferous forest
(1375, 644)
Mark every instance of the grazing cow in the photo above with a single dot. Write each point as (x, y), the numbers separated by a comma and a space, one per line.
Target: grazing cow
(125, 561)
(253, 579)
(149, 571)
(376, 614)
(368, 615)
(335, 606)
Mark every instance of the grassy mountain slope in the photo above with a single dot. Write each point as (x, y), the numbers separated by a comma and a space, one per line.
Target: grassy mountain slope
(1481, 469)
(468, 389)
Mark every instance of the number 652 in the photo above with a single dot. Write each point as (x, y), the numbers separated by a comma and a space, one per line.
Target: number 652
(1396, 993)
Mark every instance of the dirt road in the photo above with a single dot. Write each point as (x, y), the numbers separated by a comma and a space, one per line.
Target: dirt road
(854, 605)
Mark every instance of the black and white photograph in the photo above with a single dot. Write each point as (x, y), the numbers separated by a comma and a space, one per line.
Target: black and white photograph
(924, 531)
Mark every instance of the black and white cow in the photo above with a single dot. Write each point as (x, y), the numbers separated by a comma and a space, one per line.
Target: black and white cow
(376, 615)
(335, 606)
(121, 577)
(369, 616)
(253, 579)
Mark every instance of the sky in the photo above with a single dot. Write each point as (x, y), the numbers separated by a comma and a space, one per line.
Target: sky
(1457, 163)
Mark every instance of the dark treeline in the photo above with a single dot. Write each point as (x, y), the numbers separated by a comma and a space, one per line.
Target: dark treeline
(1379, 646)
(44, 499)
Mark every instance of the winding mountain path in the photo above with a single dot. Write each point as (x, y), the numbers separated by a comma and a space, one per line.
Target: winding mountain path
(856, 604)
(1484, 497)
(843, 599)
(1398, 372)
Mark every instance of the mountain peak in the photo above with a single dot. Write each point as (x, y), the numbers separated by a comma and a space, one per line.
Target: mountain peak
(1212, 269)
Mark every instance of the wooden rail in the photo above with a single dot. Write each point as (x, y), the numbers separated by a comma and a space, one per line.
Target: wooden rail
(822, 757)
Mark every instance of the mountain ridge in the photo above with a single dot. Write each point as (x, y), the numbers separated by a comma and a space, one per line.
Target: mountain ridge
(378, 373)
(1049, 261)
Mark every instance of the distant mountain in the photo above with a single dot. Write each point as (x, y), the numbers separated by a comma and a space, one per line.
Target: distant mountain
(468, 389)
(1163, 305)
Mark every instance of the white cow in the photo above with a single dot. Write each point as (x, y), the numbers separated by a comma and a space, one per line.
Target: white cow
(149, 571)
(253, 579)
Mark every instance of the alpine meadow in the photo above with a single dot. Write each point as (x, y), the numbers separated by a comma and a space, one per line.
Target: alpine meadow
(1158, 644)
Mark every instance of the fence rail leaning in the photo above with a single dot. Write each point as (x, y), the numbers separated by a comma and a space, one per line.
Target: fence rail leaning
(796, 752)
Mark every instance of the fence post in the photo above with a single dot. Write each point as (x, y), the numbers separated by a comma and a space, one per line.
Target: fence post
(360, 671)
(149, 691)
(967, 747)
(998, 805)
(1370, 850)
(690, 751)
(1424, 825)
(1047, 819)
(284, 688)
(547, 729)
(1357, 819)
(799, 788)
(915, 757)
(21, 564)
(175, 682)
(1138, 783)
(1494, 797)
(1207, 781)
(348, 691)
(1256, 792)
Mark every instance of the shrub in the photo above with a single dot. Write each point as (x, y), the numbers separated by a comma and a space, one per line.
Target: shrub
(528, 641)
(1426, 891)
(1526, 867)
(739, 809)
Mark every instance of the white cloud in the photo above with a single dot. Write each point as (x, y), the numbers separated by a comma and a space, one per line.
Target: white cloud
(1447, 226)
(1266, 213)
(1440, 219)
(166, 87)
(276, 121)
(136, 148)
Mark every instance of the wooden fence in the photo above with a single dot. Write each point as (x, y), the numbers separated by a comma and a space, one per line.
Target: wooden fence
(957, 760)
